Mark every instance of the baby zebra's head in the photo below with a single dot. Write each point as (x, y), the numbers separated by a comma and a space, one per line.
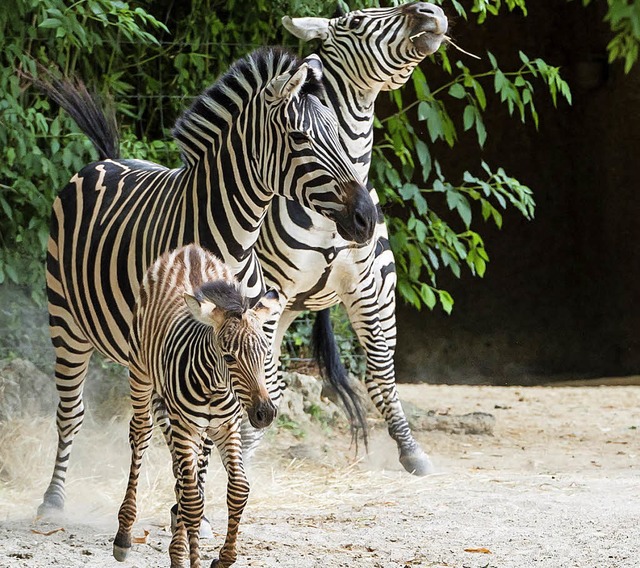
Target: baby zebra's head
(242, 344)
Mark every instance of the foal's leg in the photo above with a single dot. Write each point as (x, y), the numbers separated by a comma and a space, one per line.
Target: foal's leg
(162, 420)
(185, 449)
(229, 444)
(140, 430)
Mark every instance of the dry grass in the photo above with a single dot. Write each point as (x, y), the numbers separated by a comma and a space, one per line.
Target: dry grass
(100, 462)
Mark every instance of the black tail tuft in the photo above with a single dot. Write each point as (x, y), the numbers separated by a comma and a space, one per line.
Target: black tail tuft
(325, 352)
(85, 108)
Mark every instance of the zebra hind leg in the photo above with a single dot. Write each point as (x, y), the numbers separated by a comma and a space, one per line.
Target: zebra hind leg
(72, 361)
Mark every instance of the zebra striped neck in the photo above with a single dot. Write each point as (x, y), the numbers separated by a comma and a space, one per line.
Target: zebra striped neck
(354, 107)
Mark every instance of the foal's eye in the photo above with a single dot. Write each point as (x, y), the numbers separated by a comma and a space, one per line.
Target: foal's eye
(229, 358)
(355, 22)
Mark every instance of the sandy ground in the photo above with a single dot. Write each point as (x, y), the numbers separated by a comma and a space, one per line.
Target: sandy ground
(556, 486)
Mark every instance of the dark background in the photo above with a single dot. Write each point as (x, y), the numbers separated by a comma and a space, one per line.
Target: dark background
(560, 295)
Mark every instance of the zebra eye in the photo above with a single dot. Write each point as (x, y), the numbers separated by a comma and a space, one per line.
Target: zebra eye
(229, 358)
(300, 138)
(355, 22)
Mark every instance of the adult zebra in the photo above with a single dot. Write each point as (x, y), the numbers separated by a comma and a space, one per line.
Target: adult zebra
(199, 353)
(363, 52)
(260, 130)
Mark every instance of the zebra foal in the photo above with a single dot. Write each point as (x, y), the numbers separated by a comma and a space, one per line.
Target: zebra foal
(197, 354)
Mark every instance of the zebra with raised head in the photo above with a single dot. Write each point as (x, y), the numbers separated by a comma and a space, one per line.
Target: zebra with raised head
(260, 130)
(199, 351)
(363, 52)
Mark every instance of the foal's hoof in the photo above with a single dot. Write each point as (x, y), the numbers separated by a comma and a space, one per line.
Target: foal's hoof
(120, 552)
(121, 546)
(205, 526)
(417, 463)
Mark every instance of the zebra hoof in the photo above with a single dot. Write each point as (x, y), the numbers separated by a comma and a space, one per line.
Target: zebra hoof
(417, 463)
(51, 508)
(205, 526)
(120, 552)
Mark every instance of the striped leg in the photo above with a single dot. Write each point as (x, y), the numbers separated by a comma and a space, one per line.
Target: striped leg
(372, 315)
(140, 431)
(73, 353)
(185, 450)
(229, 444)
(162, 420)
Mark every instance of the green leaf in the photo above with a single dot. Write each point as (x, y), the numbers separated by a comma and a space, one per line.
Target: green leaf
(469, 117)
(428, 296)
(457, 91)
(424, 157)
(408, 191)
(50, 23)
(446, 300)
(409, 294)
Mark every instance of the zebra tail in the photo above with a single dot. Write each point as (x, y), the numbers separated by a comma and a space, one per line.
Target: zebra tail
(327, 356)
(85, 108)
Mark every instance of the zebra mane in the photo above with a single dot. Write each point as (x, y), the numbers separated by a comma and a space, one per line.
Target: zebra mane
(216, 108)
(225, 295)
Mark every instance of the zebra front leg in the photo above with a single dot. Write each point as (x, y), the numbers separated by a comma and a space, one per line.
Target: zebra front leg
(229, 444)
(185, 448)
(139, 437)
(72, 360)
(380, 379)
(162, 420)
(381, 386)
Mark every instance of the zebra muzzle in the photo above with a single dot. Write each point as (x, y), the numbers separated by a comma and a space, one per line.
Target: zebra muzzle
(357, 223)
(262, 413)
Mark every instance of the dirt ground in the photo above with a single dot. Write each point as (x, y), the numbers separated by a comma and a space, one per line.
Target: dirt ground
(557, 485)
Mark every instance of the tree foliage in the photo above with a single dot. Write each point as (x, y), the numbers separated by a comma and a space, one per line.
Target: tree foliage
(623, 16)
(151, 58)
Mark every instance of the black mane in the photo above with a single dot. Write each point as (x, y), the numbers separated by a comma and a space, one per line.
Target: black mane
(243, 80)
(225, 295)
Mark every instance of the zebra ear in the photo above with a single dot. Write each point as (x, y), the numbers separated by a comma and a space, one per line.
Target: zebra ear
(287, 85)
(316, 67)
(268, 306)
(205, 312)
(307, 29)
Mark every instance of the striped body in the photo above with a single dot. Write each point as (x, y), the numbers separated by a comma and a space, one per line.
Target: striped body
(197, 358)
(259, 131)
(363, 52)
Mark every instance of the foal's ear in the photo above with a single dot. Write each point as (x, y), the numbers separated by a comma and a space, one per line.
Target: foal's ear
(268, 306)
(205, 312)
